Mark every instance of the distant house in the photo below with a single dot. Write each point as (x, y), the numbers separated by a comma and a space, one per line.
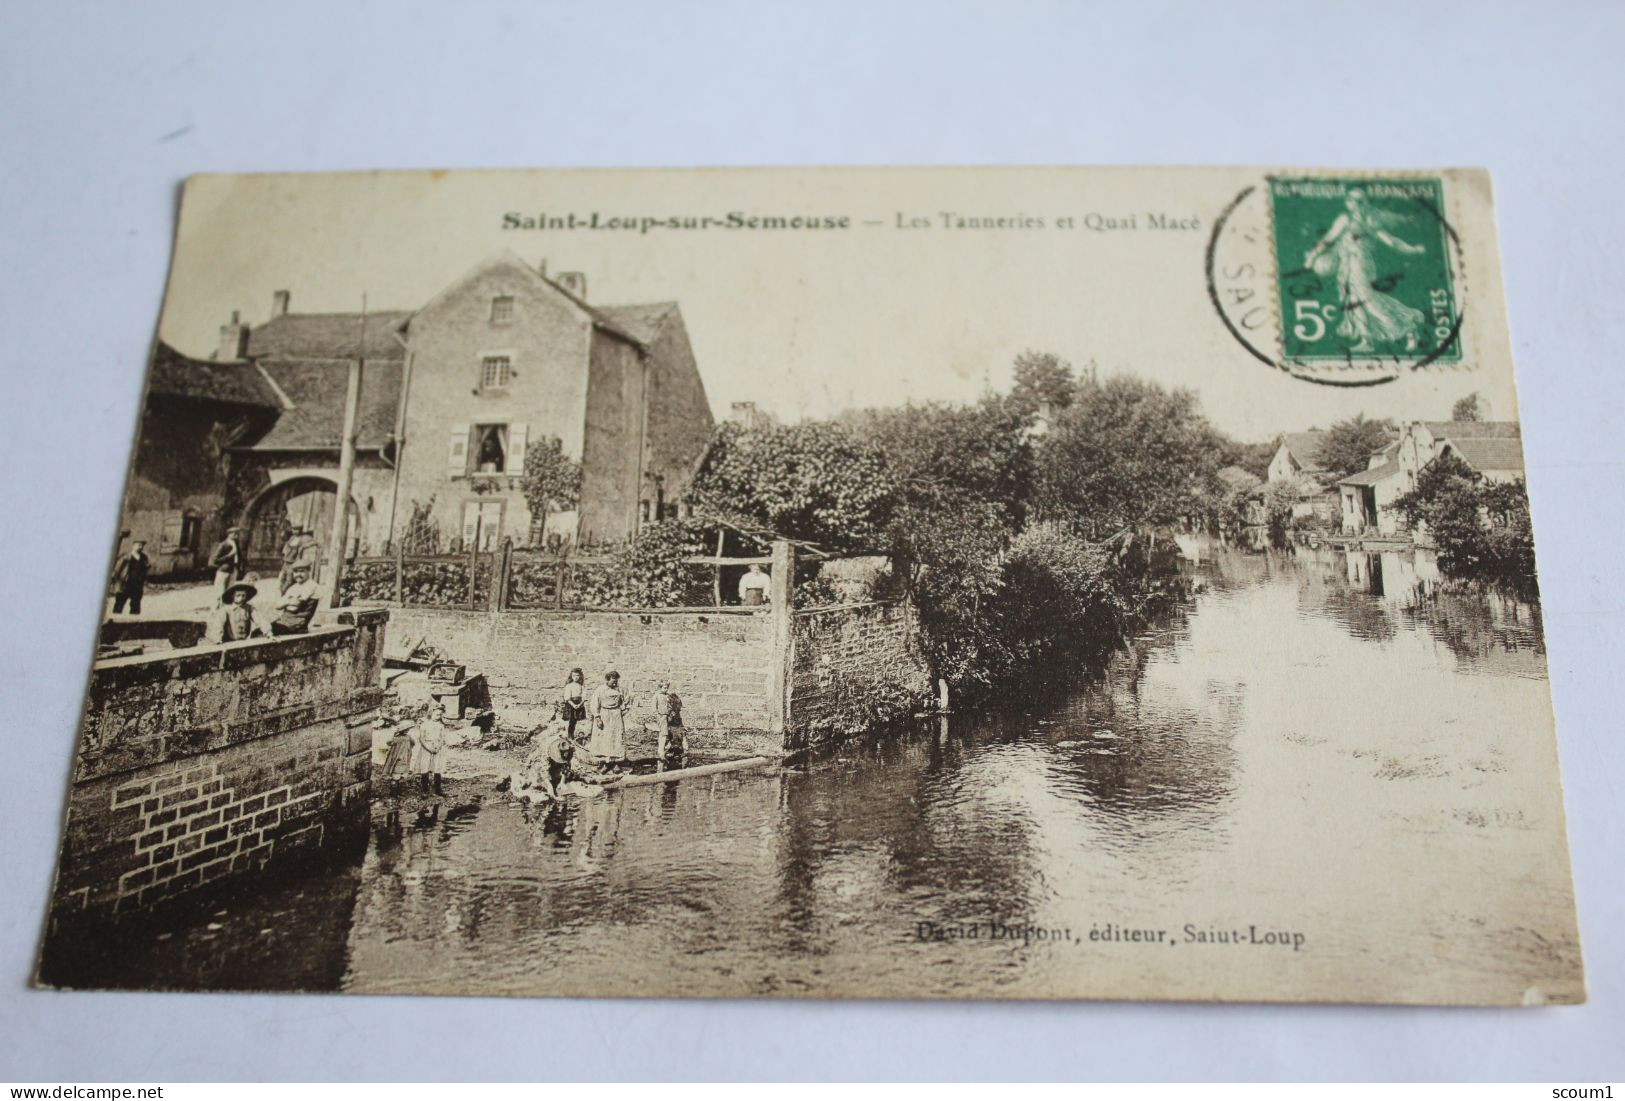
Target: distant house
(195, 411)
(453, 395)
(1493, 448)
(1297, 454)
(1297, 461)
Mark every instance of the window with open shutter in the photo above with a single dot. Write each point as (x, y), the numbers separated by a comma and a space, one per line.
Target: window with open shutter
(516, 449)
(457, 453)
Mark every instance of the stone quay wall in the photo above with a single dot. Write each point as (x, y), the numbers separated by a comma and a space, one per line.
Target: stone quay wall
(719, 661)
(195, 765)
(749, 679)
(853, 667)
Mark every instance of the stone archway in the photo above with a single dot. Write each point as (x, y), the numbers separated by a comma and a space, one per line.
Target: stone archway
(304, 501)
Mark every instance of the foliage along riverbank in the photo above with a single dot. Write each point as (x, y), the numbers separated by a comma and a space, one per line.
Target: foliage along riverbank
(1018, 523)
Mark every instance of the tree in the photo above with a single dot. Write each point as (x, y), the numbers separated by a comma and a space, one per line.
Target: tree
(1481, 529)
(1042, 378)
(1348, 445)
(1467, 409)
(551, 482)
(1126, 454)
(941, 458)
(814, 480)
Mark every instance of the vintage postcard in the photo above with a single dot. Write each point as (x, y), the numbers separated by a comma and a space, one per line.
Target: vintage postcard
(963, 583)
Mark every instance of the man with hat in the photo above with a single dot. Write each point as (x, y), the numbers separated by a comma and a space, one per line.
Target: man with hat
(227, 560)
(234, 619)
(130, 578)
(297, 605)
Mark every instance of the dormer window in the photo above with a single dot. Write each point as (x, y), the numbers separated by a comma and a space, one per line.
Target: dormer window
(502, 309)
(495, 372)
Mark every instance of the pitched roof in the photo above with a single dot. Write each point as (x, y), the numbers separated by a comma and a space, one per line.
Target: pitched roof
(1464, 430)
(176, 375)
(1304, 447)
(1372, 475)
(641, 322)
(328, 336)
(317, 389)
(1490, 452)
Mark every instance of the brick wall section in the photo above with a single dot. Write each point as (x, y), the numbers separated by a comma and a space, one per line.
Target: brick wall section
(720, 663)
(200, 764)
(855, 667)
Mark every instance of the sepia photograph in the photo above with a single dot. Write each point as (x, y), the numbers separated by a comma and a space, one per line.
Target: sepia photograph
(865, 583)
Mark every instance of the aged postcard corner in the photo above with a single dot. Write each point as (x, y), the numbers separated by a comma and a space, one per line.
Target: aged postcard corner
(1040, 583)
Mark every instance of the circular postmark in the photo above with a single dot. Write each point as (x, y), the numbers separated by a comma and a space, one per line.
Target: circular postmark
(1342, 280)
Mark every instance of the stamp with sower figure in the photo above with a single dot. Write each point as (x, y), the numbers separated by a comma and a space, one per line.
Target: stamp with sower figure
(1348, 281)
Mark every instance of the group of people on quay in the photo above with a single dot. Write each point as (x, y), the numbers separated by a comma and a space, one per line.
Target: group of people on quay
(234, 616)
(584, 740)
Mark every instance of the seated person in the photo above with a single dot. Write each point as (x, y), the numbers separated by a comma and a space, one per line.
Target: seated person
(297, 605)
(234, 619)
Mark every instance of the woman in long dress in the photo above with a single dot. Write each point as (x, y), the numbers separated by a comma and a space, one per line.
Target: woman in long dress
(608, 708)
(1348, 251)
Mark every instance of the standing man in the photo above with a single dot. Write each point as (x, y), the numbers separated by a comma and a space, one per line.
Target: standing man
(227, 561)
(130, 578)
(754, 586)
(291, 546)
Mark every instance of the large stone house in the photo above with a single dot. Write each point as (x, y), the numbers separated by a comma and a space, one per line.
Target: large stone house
(453, 394)
(1493, 448)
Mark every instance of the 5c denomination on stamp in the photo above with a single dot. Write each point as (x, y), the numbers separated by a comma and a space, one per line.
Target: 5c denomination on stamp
(1349, 281)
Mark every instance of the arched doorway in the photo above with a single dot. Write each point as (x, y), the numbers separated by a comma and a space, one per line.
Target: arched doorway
(302, 503)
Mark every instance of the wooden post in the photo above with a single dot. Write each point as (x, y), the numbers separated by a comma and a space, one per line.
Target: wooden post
(474, 561)
(780, 594)
(716, 572)
(501, 572)
(400, 574)
(560, 571)
(339, 537)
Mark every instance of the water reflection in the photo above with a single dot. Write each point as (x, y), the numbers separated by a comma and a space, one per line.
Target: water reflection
(1327, 742)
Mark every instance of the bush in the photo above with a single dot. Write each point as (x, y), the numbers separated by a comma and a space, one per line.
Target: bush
(649, 571)
(1481, 529)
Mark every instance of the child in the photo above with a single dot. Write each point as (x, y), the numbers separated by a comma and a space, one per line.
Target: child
(429, 750)
(668, 708)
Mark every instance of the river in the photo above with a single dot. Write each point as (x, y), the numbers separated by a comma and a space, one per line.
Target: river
(1355, 777)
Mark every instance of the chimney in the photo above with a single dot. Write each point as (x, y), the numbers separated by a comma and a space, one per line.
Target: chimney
(279, 303)
(233, 339)
(573, 281)
(744, 413)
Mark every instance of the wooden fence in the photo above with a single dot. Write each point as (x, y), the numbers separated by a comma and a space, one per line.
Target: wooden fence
(509, 577)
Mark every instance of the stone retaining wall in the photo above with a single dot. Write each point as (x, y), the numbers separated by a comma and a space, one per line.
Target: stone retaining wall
(854, 667)
(198, 764)
(719, 662)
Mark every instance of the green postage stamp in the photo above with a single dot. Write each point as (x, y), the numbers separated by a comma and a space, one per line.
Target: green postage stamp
(1363, 269)
(1344, 280)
